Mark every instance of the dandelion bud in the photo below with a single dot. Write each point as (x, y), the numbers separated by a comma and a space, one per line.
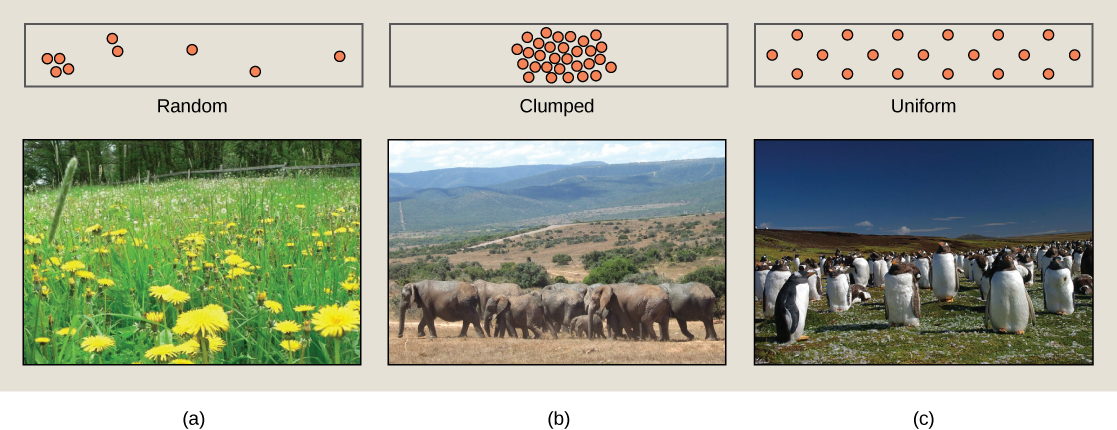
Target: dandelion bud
(261, 297)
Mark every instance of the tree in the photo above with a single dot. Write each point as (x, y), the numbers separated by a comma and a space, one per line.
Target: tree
(712, 276)
(560, 280)
(561, 259)
(611, 271)
(529, 275)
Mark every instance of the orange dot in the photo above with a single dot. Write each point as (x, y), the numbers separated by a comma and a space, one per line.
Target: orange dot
(947, 74)
(545, 32)
(567, 58)
(559, 68)
(192, 49)
(595, 75)
(563, 47)
(772, 55)
(577, 51)
(537, 43)
(551, 78)
(576, 66)
(947, 34)
(822, 54)
(517, 49)
(582, 76)
(611, 67)
(528, 77)
(117, 51)
(55, 71)
(998, 34)
(1048, 35)
(568, 77)
(254, 71)
(847, 34)
(873, 55)
(998, 74)
(47, 58)
(591, 51)
(526, 37)
(897, 73)
(522, 63)
(59, 58)
(797, 74)
(588, 63)
(601, 46)
(558, 36)
(534, 67)
(555, 58)
(797, 34)
(547, 67)
(1048, 73)
(540, 55)
(923, 55)
(1024, 54)
(583, 41)
(549, 47)
(599, 59)
(897, 34)
(847, 74)
(570, 36)
(974, 54)
(595, 35)
(528, 52)
(111, 38)
(68, 69)
(1075, 55)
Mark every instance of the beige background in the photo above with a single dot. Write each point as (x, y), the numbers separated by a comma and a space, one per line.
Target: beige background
(739, 113)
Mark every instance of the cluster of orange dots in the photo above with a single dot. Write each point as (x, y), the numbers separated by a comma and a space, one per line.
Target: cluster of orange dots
(58, 58)
(560, 56)
(923, 54)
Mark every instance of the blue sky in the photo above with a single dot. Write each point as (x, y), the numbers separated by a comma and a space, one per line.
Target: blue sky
(926, 188)
(415, 156)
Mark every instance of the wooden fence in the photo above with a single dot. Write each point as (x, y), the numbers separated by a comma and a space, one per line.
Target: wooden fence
(189, 173)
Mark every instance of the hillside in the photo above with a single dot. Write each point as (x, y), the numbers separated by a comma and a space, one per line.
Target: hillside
(403, 183)
(777, 243)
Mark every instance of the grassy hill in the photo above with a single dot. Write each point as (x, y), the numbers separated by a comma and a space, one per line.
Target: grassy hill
(777, 243)
(403, 183)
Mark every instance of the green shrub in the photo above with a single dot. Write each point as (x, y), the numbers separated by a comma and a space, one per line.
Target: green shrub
(561, 259)
(611, 272)
(713, 276)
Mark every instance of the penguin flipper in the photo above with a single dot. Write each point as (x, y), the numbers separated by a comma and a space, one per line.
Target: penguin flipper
(988, 305)
(885, 304)
(1044, 289)
(1031, 309)
(792, 311)
(915, 301)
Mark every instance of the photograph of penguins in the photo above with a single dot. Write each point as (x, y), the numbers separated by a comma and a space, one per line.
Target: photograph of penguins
(924, 252)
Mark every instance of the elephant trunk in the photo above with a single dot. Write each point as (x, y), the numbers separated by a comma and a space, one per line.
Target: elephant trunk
(402, 311)
(488, 317)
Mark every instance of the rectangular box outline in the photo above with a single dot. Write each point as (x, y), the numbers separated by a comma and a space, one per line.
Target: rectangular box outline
(362, 85)
(1092, 55)
(390, 85)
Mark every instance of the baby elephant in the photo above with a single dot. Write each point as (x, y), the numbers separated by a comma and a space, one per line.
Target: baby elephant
(581, 325)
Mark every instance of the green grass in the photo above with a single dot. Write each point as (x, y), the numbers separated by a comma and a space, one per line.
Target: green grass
(949, 333)
(153, 253)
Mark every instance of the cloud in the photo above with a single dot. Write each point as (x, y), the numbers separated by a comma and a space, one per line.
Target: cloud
(903, 230)
(864, 224)
(765, 225)
(994, 224)
(949, 218)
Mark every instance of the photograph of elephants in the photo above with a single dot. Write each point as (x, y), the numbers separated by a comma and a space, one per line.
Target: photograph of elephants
(556, 252)
(924, 252)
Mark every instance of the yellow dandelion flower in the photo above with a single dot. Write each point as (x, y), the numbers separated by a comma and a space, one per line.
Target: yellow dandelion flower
(98, 343)
(53, 261)
(341, 230)
(356, 223)
(181, 361)
(233, 260)
(208, 320)
(342, 210)
(189, 347)
(304, 308)
(314, 234)
(215, 343)
(290, 244)
(208, 265)
(237, 272)
(106, 282)
(42, 340)
(291, 345)
(190, 254)
(176, 297)
(73, 266)
(300, 206)
(269, 220)
(335, 214)
(274, 306)
(65, 331)
(84, 274)
(327, 290)
(120, 232)
(159, 291)
(288, 266)
(351, 259)
(95, 228)
(155, 317)
(244, 265)
(354, 305)
(328, 233)
(335, 321)
(137, 242)
(351, 284)
(230, 225)
(101, 250)
(161, 353)
(118, 241)
(287, 327)
(32, 240)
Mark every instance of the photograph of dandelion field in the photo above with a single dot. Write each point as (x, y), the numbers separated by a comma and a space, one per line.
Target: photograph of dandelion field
(191, 252)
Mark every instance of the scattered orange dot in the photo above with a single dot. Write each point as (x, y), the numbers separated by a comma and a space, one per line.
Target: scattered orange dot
(559, 68)
(534, 67)
(583, 41)
(557, 36)
(528, 77)
(797, 34)
(537, 43)
(947, 35)
(599, 59)
(540, 55)
(1048, 35)
(974, 54)
(595, 75)
(588, 63)
(551, 78)
(1075, 55)
(998, 34)
(555, 58)
(595, 35)
(549, 47)
(547, 67)
(117, 51)
(873, 55)
(192, 49)
(582, 76)
(55, 71)
(545, 32)
(577, 50)
(568, 77)
(847, 34)
(47, 58)
(897, 34)
(254, 71)
(570, 36)
(526, 37)
(1024, 54)
(567, 58)
(59, 58)
(601, 46)
(897, 73)
(797, 74)
(563, 47)
(923, 55)
(611, 67)
(517, 49)
(847, 74)
(772, 55)
(998, 74)
(576, 66)
(822, 54)
(1048, 73)
(522, 63)
(68, 69)
(947, 74)
(111, 38)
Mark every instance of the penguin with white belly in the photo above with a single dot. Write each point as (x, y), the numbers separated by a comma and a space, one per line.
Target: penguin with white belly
(791, 308)
(901, 295)
(861, 271)
(1045, 260)
(1058, 288)
(838, 296)
(796, 262)
(1024, 263)
(877, 268)
(814, 280)
(944, 280)
(1009, 308)
(984, 277)
(762, 270)
(923, 263)
(775, 280)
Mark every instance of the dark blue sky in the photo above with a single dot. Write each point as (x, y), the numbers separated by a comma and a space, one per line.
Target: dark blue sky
(926, 188)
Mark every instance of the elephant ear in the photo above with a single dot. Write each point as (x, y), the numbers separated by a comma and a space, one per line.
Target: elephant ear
(502, 305)
(411, 294)
(606, 296)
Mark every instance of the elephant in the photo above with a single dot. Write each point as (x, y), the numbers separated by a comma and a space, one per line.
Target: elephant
(692, 301)
(582, 325)
(519, 312)
(632, 304)
(486, 290)
(579, 288)
(560, 305)
(449, 300)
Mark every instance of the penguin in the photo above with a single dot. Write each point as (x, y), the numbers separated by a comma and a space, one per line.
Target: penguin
(944, 282)
(923, 263)
(1084, 284)
(814, 280)
(858, 294)
(838, 296)
(861, 271)
(795, 262)
(984, 277)
(1024, 262)
(791, 308)
(1009, 309)
(762, 270)
(1058, 288)
(877, 268)
(901, 295)
(1087, 266)
(1045, 260)
(772, 285)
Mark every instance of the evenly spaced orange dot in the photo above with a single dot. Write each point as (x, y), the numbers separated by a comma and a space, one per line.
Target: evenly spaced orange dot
(68, 69)
(537, 43)
(570, 36)
(923, 55)
(1048, 73)
(557, 36)
(254, 71)
(576, 66)
(547, 67)
(111, 38)
(590, 50)
(998, 34)
(577, 50)
(563, 47)
(55, 71)
(192, 49)
(1048, 35)
(822, 54)
(588, 63)
(772, 55)
(522, 63)
(526, 37)
(847, 34)
(540, 55)
(595, 35)
(1024, 54)
(551, 78)
(974, 54)
(897, 34)
(549, 47)
(47, 58)
(847, 74)
(517, 49)
(947, 34)
(797, 74)
(582, 76)
(897, 73)
(595, 75)
(601, 46)
(555, 58)
(567, 58)
(1075, 55)
(998, 74)
(568, 77)
(559, 68)
(528, 77)
(599, 59)
(947, 74)
(545, 32)
(873, 55)
(117, 51)
(611, 67)
(59, 58)
(534, 67)
(797, 34)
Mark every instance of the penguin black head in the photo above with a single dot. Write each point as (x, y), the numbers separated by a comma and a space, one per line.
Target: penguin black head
(781, 266)
(1056, 264)
(944, 248)
(763, 258)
